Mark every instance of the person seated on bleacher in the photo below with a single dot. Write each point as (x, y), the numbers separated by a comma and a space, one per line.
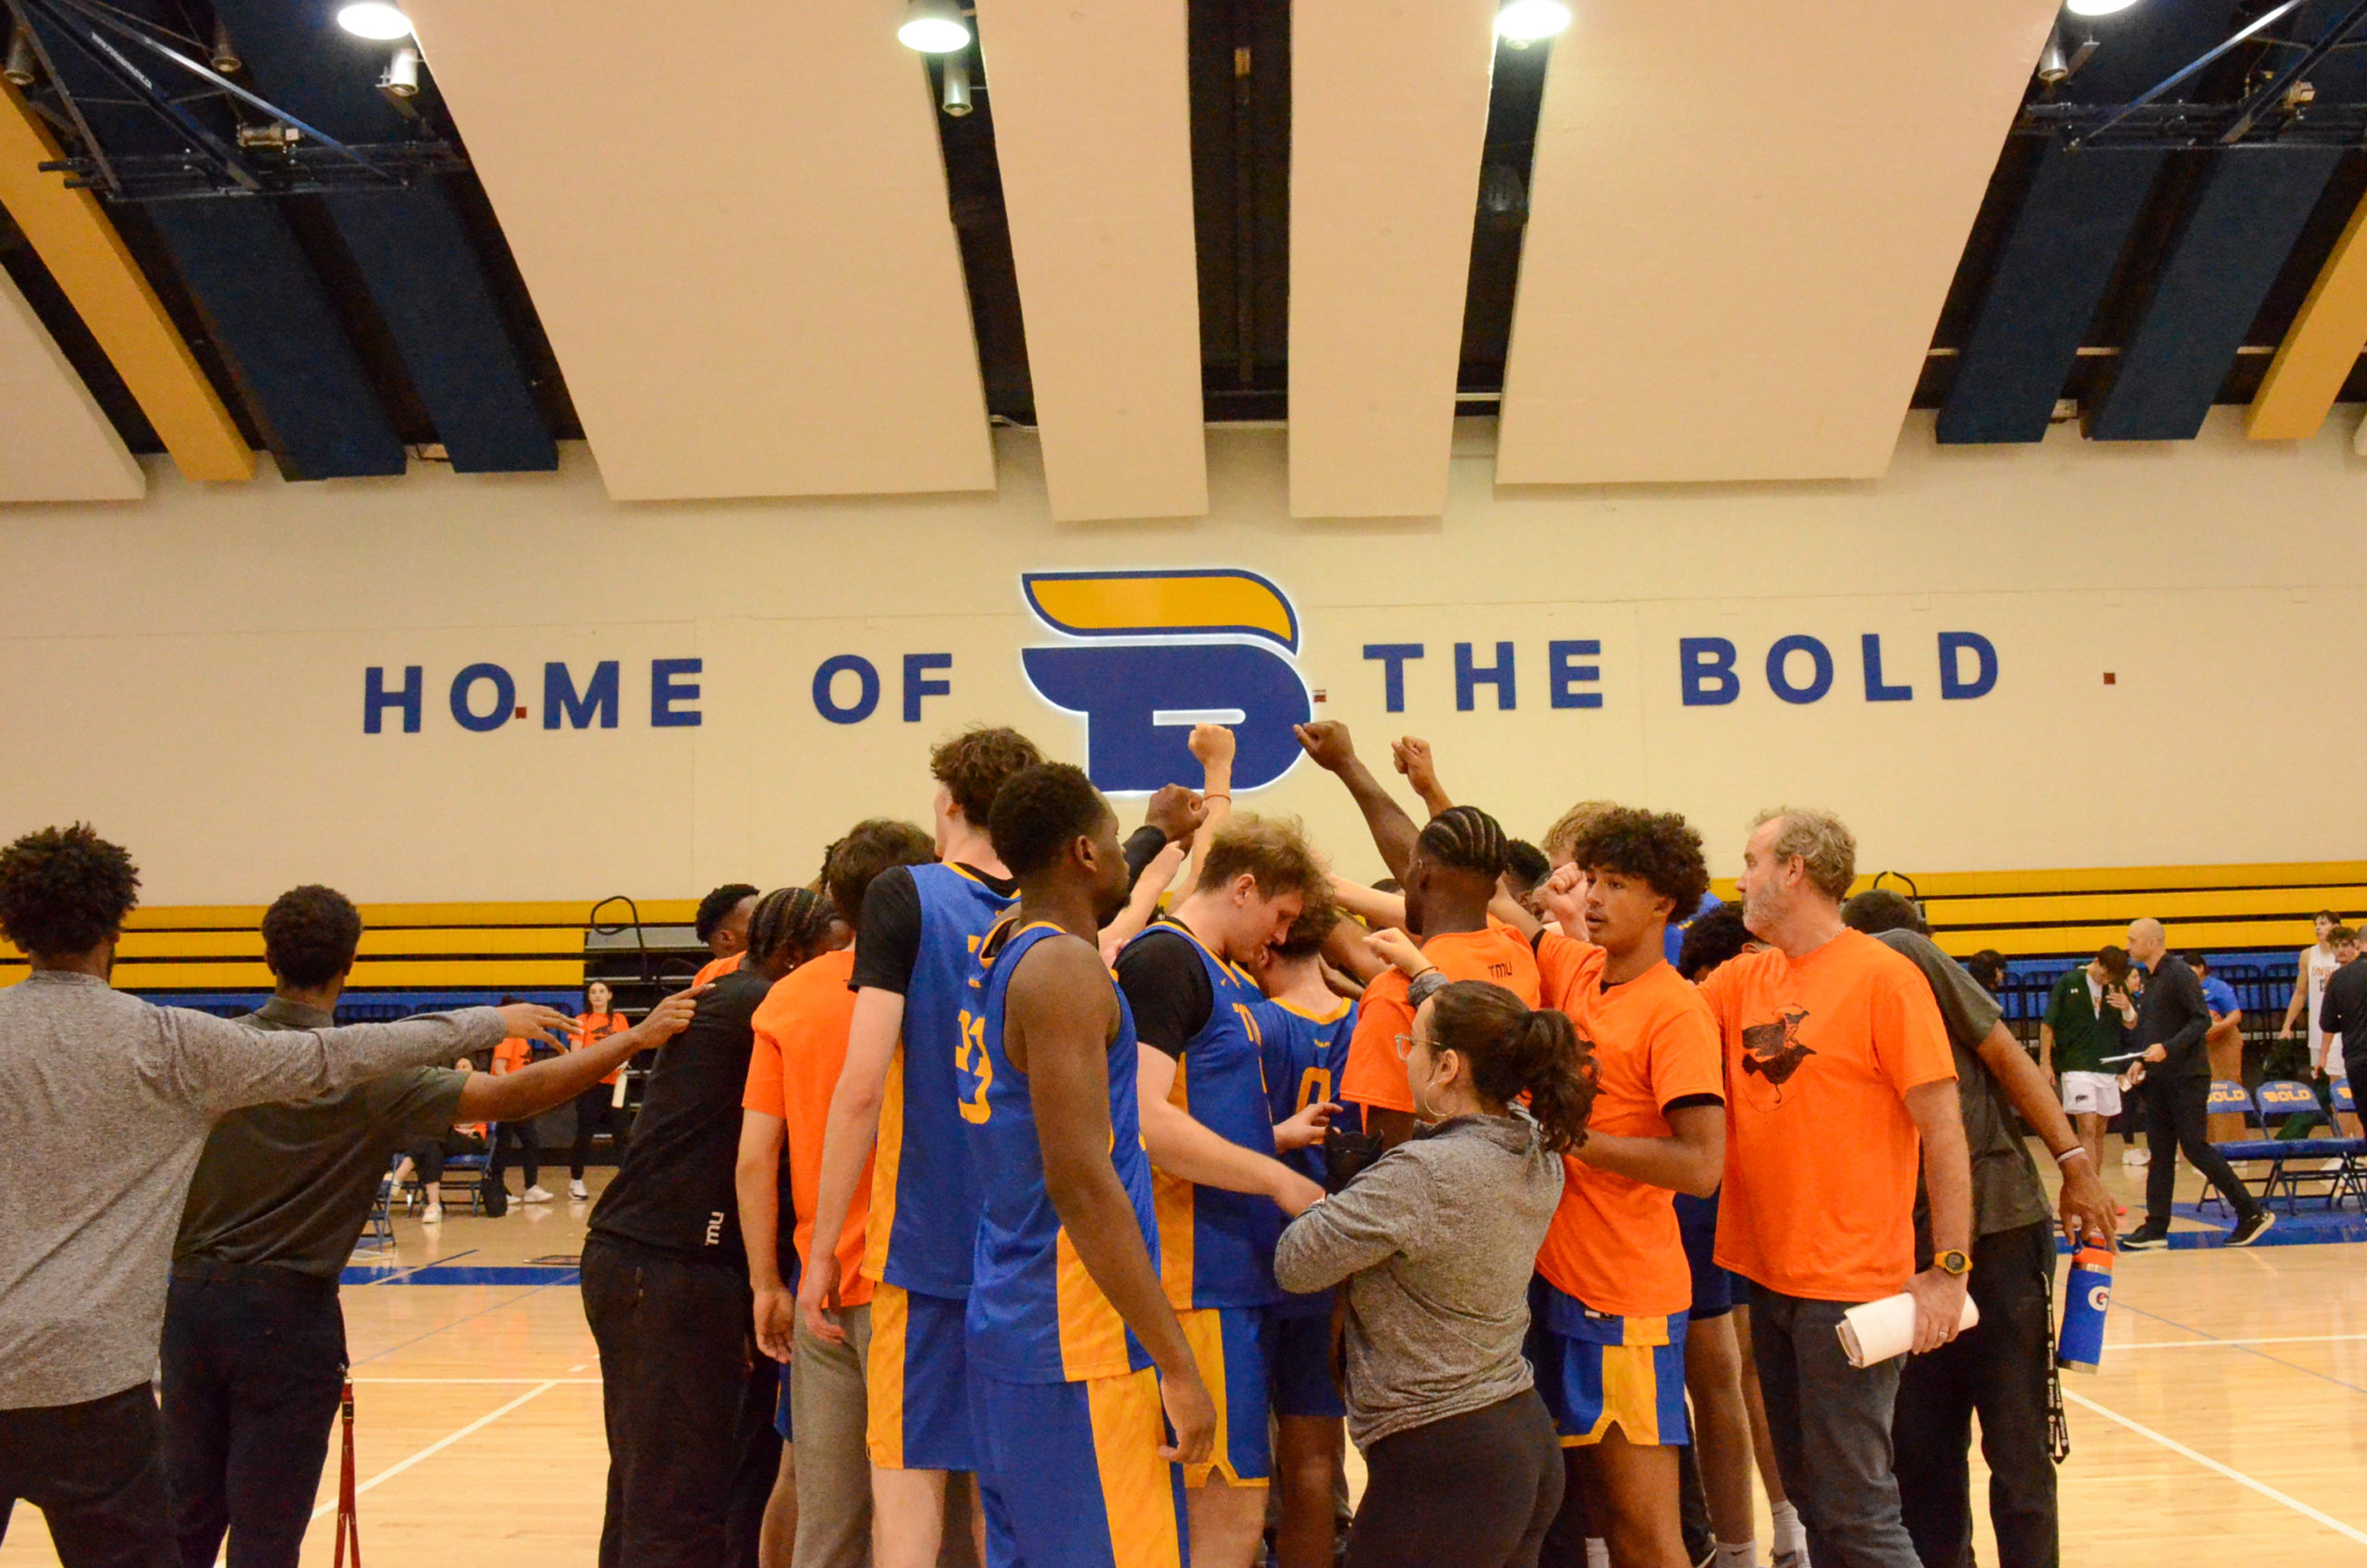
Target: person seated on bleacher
(253, 1339)
(424, 1161)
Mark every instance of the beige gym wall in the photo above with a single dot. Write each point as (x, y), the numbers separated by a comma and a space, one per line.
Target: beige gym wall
(187, 672)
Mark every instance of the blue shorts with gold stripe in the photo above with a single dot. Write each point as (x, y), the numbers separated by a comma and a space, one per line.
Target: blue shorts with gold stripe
(1071, 1477)
(1597, 1370)
(1303, 1384)
(918, 1378)
(1234, 1347)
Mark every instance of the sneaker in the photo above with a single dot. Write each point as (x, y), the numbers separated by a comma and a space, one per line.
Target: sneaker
(576, 1189)
(534, 1194)
(2251, 1228)
(2135, 1156)
(2145, 1238)
(432, 1215)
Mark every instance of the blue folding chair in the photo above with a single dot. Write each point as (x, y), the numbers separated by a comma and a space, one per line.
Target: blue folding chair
(2282, 1098)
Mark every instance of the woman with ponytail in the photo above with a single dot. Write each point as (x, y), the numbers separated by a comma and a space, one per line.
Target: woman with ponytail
(1436, 1241)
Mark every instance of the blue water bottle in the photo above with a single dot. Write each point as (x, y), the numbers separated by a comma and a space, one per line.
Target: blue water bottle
(2087, 1292)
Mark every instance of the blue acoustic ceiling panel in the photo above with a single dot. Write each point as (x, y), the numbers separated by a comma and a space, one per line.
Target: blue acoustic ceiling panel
(2051, 274)
(2065, 240)
(263, 305)
(2228, 246)
(414, 256)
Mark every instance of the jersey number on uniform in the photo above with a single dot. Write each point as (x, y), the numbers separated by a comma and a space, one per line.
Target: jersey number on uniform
(973, 1066)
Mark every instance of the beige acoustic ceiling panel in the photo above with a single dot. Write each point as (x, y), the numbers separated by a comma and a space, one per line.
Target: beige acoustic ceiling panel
(1093, 133)
(1389, 115)
(58, 446)
(733, 218)
(1743, 220)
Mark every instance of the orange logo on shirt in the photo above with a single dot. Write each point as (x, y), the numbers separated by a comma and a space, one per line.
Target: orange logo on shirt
(1774, 1050)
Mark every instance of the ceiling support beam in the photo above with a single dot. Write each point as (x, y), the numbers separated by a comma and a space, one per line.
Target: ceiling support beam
(70, 232)
(2320, 348)
(1384, 189)
(1093, 134)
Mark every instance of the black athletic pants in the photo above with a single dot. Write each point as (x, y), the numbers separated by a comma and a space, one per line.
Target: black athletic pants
(2178, 1116)
(96, 1471)
(596, 1112)
(1998, 1369)
(689, 1402)
(254, 1360)
(519, 1135)
(1476, 1490)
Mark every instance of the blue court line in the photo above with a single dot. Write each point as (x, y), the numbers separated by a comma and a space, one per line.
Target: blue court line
(2251, 1350)
(2290, 1231)
(473, 1274)
(389, 1274)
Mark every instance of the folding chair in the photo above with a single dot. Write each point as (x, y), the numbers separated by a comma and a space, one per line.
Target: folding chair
(2284, 1098)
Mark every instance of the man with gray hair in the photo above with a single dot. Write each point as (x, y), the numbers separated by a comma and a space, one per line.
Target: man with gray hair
(2171, 1023)
(1838, 1077)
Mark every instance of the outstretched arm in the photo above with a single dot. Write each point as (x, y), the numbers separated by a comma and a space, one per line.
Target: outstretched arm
(512, 1097)
(1181, 1146)
(1060, 1016)
(1412, 755)
(1393, 831)
(1213, 744)
(1155, 879)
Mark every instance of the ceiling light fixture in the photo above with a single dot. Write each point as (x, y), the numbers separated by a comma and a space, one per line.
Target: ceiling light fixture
(376, 19)
(956, 100)
(934, 26)
(2097, 8)
(1523, 22)
(20, 70)
(226, 59)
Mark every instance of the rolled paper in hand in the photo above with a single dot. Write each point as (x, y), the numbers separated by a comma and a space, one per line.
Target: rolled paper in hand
(1880, 1329)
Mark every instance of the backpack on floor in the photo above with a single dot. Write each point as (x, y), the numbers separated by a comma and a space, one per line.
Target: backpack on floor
(496, 1199)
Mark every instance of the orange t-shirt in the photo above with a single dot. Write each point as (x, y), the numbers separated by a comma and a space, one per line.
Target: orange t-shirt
(596, 1027)
(801, 1048)
(1821, 1156)
(717, 968)
(1613, 1242)
(511, 1054)
(1375, 1076)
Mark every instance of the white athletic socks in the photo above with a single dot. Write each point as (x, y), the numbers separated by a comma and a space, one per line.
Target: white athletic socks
(1791, 1536)
(1737, 1554)
(1597, 1552)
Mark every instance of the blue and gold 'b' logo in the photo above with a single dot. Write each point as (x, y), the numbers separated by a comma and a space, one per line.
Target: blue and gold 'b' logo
(1181, 648)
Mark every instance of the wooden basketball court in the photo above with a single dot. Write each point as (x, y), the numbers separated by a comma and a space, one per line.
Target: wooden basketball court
(2231, 1416)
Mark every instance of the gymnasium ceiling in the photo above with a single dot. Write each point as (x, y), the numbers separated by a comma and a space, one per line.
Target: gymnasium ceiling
(738, 249)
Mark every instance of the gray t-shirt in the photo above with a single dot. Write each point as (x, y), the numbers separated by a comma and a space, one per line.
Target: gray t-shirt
(2007, 1195)
(104, 1105)
(291, 1185)
(1437, 1242)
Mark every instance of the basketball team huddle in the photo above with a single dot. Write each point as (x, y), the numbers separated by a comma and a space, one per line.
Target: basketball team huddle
(1122, 1176)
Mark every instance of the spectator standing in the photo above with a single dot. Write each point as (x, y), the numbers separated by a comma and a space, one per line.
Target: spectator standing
(518, 1132)
(2002, 1368)
(1436, 1243)
(2087, 1015)
(596, 1108)
(2346, 950)
(2171, 1022)
(2223, 1043)
(1838, 1074)
(254, 1338)
(2343, 1014)
(87, 1222)
(2312, 968)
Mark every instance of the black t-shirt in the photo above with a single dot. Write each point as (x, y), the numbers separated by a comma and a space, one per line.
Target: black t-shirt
(1167, 986)
(674, 1189)
(2343, 1011)
(887, 937)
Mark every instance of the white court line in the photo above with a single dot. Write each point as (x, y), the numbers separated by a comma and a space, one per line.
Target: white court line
(359, 1381)
(2296, 1504)
(2205, 1344)
(480, 1424)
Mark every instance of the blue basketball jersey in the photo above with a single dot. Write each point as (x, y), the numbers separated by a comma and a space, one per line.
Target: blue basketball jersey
(923, 1195)
(1216, 1247)
(1036, 1315)
(1306, 1054)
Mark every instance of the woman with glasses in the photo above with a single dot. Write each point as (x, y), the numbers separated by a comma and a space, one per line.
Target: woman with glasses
(1436, 1241)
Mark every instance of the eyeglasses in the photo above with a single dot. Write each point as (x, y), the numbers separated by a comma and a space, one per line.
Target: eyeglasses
(1404, 1045)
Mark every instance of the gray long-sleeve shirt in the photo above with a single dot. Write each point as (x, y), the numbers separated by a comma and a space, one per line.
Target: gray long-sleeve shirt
(104, 1105)
(1436, 1241)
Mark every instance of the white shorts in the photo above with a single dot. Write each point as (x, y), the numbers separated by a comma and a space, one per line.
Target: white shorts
(2090, 1093)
